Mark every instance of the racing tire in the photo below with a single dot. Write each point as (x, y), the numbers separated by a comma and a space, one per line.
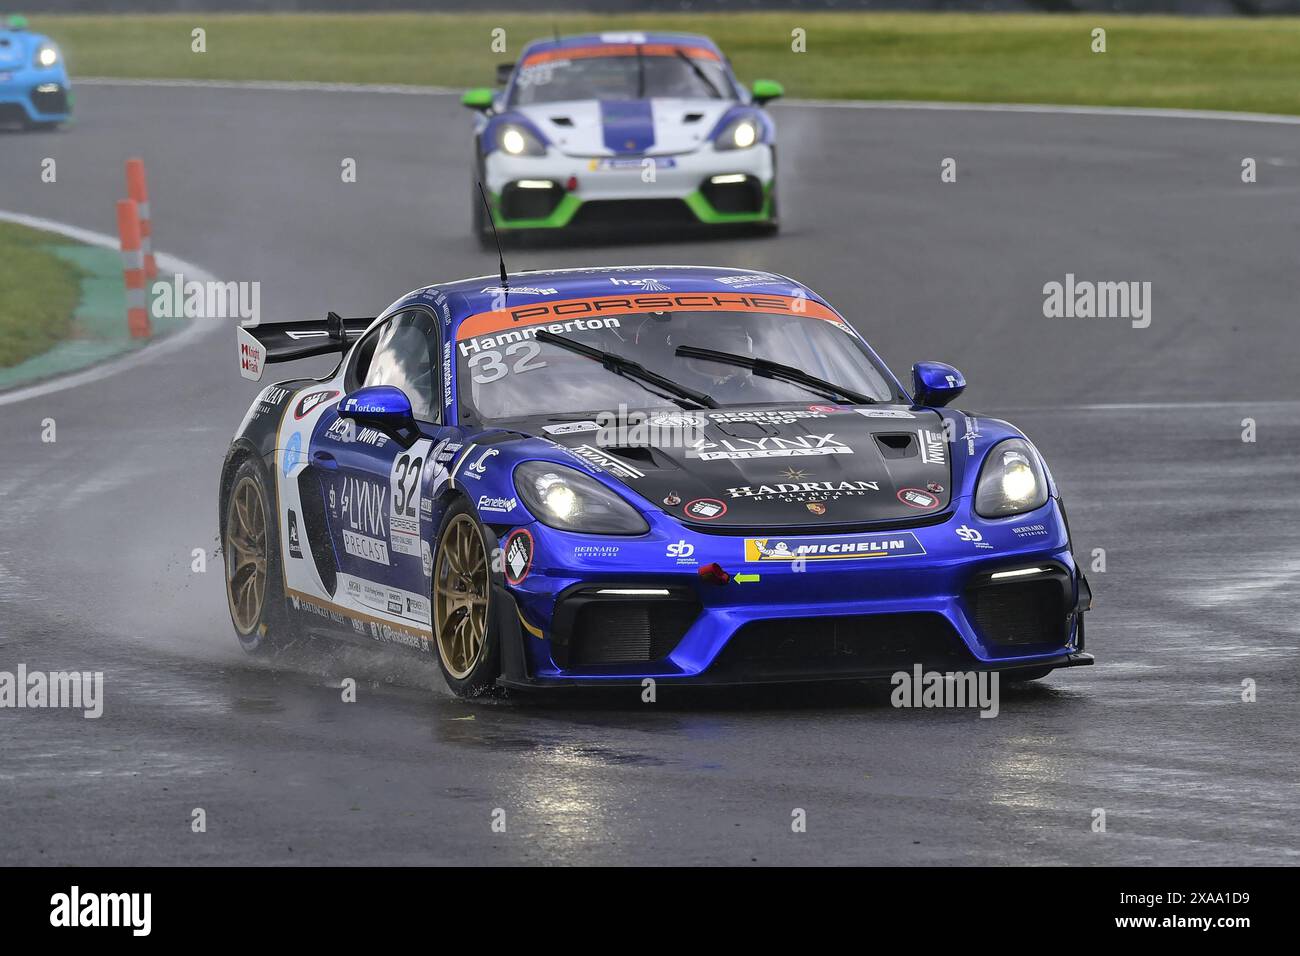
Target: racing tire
(465, 636)
(250, 545)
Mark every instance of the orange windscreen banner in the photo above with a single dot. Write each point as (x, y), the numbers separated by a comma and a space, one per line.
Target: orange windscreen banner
(618, 49)
(541, 313)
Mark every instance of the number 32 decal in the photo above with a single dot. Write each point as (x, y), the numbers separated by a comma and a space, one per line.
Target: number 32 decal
(404, 483)
(488, 366)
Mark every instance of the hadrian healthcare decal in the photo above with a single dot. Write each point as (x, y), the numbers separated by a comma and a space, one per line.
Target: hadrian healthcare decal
(837, 547)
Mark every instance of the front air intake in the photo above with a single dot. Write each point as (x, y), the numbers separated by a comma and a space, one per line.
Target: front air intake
(598, 627)
(1022, 612)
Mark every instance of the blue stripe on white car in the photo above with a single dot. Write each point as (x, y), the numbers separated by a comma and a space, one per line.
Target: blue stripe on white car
(629, 125)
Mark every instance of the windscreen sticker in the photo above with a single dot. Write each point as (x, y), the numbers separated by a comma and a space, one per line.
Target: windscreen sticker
(595, 308)
(511, 340)
(491, 364)
(538, 73)
(564, 54)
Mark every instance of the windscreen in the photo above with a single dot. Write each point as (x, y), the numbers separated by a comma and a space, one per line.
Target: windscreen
(622, 74)
(511, 374)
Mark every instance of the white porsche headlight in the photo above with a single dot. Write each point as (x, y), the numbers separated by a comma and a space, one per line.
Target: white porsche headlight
(47, 56)
(519, 141)
(1011, 481)
(740, 133)
(566, 499)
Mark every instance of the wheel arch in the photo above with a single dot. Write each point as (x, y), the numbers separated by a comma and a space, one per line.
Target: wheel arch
(241, 450)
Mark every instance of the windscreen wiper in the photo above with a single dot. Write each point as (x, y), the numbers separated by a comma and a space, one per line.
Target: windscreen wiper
(695, 67)
(768, 369)
(640, 72)
(625, 366)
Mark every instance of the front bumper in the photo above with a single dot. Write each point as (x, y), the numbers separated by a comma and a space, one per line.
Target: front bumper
(578, 618)
(35, 96)
(555, 191)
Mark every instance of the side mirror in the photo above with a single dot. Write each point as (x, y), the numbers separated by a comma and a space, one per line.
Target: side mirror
(935, 384)
(480, 98)
(385, 407)
(765, 91)
(503, 73)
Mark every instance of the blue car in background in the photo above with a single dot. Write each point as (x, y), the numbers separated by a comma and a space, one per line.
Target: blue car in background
(617, 129)
(34, 88)
(590, 477)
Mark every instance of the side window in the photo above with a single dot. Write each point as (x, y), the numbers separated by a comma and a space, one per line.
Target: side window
(361, 363)
(405, 354)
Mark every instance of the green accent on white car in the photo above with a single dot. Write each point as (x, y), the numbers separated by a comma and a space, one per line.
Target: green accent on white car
(568, 207)
(705, 212)
(560, 216)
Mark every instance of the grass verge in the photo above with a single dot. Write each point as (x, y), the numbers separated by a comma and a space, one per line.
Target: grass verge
(1201, 63)
(39, 292)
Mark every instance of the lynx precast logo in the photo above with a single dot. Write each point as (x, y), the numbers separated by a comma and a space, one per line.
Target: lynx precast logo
(179, 298)
(1084, 299)
(76, 909)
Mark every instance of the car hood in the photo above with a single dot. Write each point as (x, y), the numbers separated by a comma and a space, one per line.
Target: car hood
(772, 467)
(603, 128)
(17, 49)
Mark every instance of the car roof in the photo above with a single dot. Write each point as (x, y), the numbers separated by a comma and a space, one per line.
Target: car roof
(618, 37)
(479, 294)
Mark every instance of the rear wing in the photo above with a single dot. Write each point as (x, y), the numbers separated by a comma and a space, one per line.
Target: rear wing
(260, 345)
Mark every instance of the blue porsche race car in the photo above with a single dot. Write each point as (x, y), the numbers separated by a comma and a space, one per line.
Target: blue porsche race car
(597, 476)
(34, 88)
(621, 128)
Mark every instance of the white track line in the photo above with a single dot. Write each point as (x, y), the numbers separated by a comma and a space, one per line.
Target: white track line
(409, 90)
(164, 346)
(1229, 403)
(1132, 111)
(288, 86)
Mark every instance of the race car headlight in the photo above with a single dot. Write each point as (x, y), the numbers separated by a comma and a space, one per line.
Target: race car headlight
(566, 499)
(518, 141)
(1011, 481)
(47, 56)
(740, 133)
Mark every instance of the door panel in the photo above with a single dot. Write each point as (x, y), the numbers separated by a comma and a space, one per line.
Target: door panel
(372, 489)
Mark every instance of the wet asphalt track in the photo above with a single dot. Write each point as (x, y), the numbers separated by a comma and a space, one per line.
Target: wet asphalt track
(1141, 428)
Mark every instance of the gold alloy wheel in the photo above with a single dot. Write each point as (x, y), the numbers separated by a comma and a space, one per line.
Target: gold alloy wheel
(460, 596)
(246, 555)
